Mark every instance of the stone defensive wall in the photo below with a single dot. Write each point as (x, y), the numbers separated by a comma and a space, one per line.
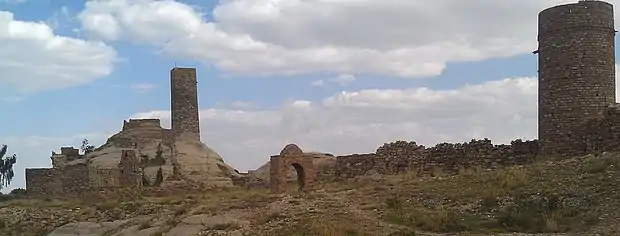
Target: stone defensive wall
(79, 179)
(401, 156)
(141, 123)
(68, 181)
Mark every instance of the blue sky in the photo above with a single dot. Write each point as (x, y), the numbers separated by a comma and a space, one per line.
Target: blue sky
(477, 80)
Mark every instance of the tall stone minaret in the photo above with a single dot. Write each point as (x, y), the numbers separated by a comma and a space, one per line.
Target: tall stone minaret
(184, 103)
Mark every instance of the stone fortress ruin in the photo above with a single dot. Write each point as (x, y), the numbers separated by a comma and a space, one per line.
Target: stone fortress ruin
(141, 155)
(577, 109)
(577, 115)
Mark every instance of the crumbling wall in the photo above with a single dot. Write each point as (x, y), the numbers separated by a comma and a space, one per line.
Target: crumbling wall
(604, 134)
(141, 123)
(43, 181)
(129, 166)
(121, 142)
(401, 156)
(80, 179)
(105, 178)
(357, 164)
(75, 179)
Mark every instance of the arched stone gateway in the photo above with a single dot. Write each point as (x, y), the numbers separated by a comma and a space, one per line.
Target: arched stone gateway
(291, 155)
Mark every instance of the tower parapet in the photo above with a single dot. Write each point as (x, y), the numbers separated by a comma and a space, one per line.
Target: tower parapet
(141, 123)
(576, 73)
(184, 103)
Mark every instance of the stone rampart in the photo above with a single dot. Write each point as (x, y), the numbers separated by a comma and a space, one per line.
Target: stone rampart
(44, 181)
(141, 123)
(401, 156)
(81, 180)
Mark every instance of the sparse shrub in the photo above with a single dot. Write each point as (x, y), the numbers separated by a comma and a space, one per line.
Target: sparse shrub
(490, 198)
(318, 227)
(506, 179)
(18, 192)
(5, 197)
(437, 171)
(601, 164)
(440, 220)
(106, 206)
(542, 214)
(159, 178)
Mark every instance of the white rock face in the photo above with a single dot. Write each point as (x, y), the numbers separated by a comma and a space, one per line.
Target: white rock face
(196, 162)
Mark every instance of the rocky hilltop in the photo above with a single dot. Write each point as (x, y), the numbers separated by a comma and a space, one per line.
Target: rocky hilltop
(180, 160)
(577, 196)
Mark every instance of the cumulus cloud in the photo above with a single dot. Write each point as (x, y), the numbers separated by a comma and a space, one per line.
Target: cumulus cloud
(407, 38)
(33, 58)
(361, 121)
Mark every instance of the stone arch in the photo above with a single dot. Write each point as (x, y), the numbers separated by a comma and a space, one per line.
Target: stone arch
(291, 155)
(301, 175)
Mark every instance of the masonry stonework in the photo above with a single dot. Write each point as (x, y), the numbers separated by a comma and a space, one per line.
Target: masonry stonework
(184, 103)
(450, 158)
(576, 73)
(291, 155)
(79, 179)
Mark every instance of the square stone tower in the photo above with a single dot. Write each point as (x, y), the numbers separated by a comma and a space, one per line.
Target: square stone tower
(184, 103)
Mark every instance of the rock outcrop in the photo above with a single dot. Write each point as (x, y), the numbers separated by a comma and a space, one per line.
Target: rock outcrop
(180, 160)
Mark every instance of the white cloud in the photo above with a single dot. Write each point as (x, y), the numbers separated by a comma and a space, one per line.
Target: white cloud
(341, 80)
(143, 88)
(408, 38)
(33, 58)
(13, 1)
(361, 121)
(318, 83)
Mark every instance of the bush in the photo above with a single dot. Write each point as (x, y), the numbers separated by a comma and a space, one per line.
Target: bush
(544, 213)
(18, 191)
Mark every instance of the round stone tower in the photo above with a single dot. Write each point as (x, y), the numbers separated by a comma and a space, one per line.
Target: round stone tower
(576, 76)
(184, 103)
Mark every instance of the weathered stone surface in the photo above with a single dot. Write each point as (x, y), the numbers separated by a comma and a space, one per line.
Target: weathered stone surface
(86, 228)
(176, 155)
(291, 155)
(401, 156)
(576, 73)
(184, 103)
(323, 164)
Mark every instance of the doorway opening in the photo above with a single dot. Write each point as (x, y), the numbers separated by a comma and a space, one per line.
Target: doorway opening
(301, 177)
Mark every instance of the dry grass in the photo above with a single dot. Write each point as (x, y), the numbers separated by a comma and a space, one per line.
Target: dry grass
(562, 196)
(322, 227)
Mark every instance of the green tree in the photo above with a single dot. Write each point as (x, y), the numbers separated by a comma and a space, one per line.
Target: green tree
(6, 167)
(86, 148)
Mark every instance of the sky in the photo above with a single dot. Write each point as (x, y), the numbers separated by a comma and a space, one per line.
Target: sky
(336, 76)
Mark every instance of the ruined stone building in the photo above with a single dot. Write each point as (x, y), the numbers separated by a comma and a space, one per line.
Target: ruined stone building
(577, 109)
(74, 180)
(139, 153)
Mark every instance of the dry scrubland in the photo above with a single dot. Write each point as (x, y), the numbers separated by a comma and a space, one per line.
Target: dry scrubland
(559, 197)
